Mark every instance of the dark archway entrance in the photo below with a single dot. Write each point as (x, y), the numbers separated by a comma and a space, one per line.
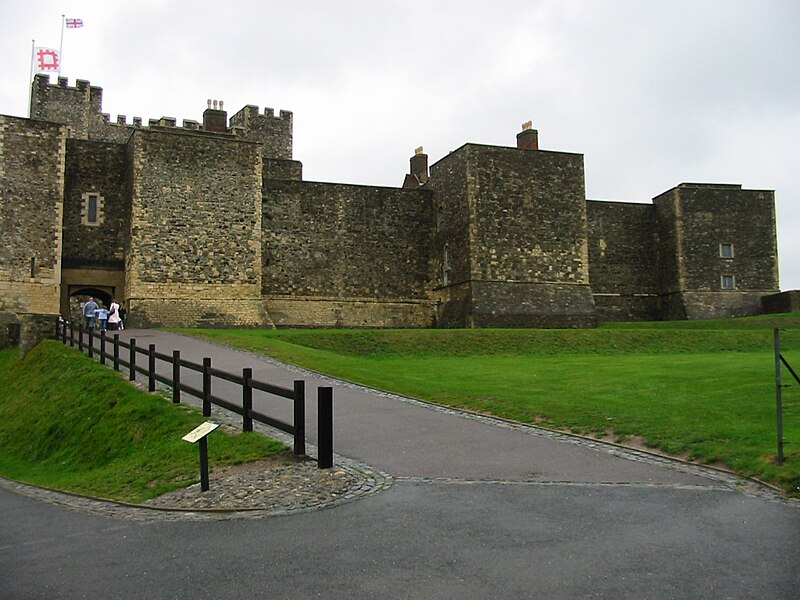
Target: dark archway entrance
(78, 295)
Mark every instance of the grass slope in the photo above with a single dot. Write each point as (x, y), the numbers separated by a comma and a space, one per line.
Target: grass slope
(701, 390)
(69, 423)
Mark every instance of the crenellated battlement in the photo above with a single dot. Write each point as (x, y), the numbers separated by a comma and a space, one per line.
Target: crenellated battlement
(250, 114)
(80, 108)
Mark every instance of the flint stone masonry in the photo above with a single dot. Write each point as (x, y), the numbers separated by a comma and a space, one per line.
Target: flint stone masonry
(211, 224)
(31, 213)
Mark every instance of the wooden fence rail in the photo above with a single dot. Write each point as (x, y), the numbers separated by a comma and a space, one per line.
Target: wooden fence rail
(65, 332)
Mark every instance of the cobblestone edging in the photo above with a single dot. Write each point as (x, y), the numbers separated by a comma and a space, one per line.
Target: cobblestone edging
(360, 480)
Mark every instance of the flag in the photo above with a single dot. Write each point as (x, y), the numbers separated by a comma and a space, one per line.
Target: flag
(74, 23)
(46, 60)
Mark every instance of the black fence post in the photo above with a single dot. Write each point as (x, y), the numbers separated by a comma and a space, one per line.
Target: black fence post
(91, 343)
(102, 347)
(132, 360)
(116, 352)
(64, 333)
(778, 393)
(80, 337)
(325, 427)
(299, 417)
(176, 376)
(151, 368)
(58, 327)
(71, 334)
(206, 387)
(247, 399)
(204, 463)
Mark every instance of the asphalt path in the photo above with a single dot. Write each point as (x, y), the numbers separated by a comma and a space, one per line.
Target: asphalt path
(478, 509)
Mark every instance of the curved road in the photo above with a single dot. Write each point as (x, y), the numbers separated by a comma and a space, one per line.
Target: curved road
(477, 509)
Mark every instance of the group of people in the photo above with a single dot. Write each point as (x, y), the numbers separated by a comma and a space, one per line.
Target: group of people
(106, 319)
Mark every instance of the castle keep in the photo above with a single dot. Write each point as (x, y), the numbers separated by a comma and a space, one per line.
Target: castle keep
(211, 224)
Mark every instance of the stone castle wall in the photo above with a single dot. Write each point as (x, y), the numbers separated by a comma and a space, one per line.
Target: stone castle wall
(32, 155)
(273, 133)
(96, 168)
(695, 220)
(527, 235)
(346, 254)
(210, 224)
(623, 258)
(195, 230)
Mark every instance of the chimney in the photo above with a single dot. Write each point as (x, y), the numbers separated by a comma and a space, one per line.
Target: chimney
(419, 165)
(528, 138)
(215, 119)
(419, 170)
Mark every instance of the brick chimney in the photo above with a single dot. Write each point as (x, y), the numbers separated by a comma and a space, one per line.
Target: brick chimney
(419, 170)
(214, 118)
(528, 138)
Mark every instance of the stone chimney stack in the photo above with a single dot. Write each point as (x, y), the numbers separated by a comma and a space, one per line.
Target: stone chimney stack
(419, 165)
(419, 170)
(215, 119)
(528, 138)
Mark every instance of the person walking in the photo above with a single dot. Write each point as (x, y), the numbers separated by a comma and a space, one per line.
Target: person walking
(102, 317)
(89, 313)
(122, 314)
(113, 316)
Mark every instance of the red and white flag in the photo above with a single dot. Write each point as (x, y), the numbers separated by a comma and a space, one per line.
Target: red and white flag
(74, 23)
(46, 60)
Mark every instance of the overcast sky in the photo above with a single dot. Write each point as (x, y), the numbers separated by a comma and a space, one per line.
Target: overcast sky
(653, 93)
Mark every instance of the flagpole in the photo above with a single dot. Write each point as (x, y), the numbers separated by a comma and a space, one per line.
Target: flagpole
(30, 81)
(61, 46)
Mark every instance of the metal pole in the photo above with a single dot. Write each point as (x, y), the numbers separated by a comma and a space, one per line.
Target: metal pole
(204, 463)
(325, 427)
(778, 393)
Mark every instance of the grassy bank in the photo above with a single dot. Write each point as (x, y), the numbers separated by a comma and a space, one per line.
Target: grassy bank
(700, 390)
(69, 423)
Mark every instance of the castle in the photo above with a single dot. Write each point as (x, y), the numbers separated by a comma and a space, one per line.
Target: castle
(212, 224)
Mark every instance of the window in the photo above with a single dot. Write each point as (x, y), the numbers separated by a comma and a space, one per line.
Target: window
(440, 218)
(92, 209)
(446, 268)
(726, 250)
(728, 282)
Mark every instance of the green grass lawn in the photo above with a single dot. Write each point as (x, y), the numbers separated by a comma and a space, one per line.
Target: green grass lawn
(703, 390)
(69, 423)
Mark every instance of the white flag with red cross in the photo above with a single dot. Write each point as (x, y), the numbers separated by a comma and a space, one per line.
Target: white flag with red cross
(46, 60)
(73, 23)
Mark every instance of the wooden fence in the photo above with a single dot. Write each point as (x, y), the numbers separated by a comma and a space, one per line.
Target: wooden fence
(110, 349)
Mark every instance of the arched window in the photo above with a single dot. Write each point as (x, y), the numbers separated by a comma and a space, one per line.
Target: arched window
(447, 269)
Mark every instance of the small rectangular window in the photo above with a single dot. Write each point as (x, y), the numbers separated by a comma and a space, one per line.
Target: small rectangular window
(726, 250)
(91, 216)
(728, 282)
